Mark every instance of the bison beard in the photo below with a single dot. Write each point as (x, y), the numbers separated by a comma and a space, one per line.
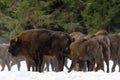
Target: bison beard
(34, 44)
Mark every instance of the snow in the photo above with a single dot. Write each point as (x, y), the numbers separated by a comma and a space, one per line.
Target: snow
(25, 75)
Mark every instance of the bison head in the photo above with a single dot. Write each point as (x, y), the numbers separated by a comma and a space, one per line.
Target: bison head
(15, 46)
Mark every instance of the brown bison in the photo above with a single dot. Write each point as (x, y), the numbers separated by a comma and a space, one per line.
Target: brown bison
(102, 37)
(81, 65)
(115, 50)
(35, 43)
(76, 35)
(113, 43)
(88, 50)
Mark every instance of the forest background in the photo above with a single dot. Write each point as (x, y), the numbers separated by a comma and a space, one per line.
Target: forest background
(87, 16)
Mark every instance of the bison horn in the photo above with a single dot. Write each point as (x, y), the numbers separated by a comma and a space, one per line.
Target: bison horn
(16, 39)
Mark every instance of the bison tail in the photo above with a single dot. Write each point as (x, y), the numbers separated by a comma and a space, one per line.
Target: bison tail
(106, 49)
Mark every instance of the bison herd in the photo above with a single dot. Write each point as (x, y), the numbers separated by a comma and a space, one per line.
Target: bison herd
(41, 48)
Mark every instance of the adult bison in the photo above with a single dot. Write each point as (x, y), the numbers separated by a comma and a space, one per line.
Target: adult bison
(115, 50)
(102, 37)
(81, 65)
(35, 43)
(87, 50)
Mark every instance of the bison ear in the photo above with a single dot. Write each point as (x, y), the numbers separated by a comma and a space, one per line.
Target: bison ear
(16, 39)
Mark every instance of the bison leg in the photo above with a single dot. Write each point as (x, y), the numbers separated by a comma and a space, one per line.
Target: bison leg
(119, 57)
(82, 65)
(3, 66)
(36, 64)
(8, 65)
(119, 65)
(46, 61)
(9, 68)
(40, 63)
(107, 63)
(114, 65)
(18, 66)
(54, 64)
(106, 58)
(91, 65)
(61, 60)
(100, 65)
(28, 65)
(47, 64)
(43, 64)
(72, 65)
(65, 63)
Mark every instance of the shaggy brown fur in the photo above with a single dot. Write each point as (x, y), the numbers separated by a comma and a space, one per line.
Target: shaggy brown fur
(34, 44)
(102, 37)
(113, 41)
(81, 65)
(76, 35)
(101, 32)
(115, 50)
(86, 50)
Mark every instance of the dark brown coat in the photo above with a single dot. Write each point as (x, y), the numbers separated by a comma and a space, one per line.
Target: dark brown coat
(115, 50)
(34, 44)
(102, 37)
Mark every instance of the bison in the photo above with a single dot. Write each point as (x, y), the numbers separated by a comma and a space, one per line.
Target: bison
(115, 50)
(7, 59)
(81, 65)
(87, 50)
(102, 37)
(16, 61)
(4, 57)
(35, 43)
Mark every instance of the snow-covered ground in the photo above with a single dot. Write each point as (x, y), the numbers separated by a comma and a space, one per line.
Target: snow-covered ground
(25, 75)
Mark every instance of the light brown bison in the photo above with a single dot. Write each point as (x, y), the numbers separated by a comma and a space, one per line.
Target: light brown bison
(81, 65)
(89, 50)
(76, 35)
(86, 49)
(35, 43)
